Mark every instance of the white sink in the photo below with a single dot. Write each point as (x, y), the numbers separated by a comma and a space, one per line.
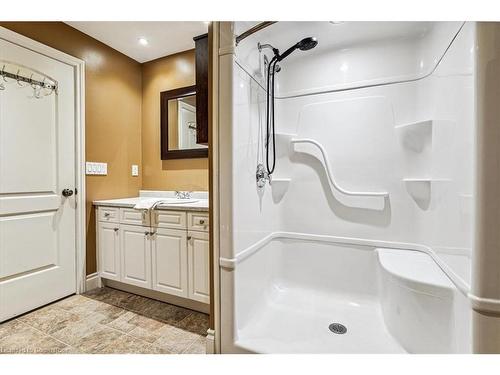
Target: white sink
(177, 201)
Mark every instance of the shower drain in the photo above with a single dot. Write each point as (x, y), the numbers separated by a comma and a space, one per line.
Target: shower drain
(338, 328)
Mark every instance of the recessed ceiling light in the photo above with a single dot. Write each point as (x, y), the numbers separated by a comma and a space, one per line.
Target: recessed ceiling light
(143, 41)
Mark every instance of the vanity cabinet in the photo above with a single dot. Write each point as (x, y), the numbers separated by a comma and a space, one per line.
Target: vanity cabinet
(169, 255)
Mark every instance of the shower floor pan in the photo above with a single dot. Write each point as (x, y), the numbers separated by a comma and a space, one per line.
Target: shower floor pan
(297, 320)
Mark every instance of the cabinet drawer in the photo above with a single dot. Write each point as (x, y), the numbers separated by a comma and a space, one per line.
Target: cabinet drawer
(169, 219)
(108, 214)
(134, 217)
(198, 221)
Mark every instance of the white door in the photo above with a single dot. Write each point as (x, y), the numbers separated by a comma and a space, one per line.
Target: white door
(187, 126)
(170, 261)
(37, 161)
(198, 262)
(109, 250)
(136, 255)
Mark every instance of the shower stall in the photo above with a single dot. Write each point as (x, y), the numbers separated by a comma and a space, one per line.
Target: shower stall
(376, 231)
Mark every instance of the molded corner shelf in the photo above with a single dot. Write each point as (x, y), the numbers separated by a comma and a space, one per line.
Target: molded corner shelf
(279, 186)
(422, 189)
(416, 135)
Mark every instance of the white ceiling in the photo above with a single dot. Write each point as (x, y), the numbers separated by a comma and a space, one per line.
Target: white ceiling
(164, 38)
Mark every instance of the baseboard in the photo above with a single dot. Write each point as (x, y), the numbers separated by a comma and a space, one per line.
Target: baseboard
(153, 294)
(93, 281)
(210, 341)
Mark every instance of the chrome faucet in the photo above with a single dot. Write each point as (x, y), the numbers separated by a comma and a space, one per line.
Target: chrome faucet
(183, 194)
(261, 176)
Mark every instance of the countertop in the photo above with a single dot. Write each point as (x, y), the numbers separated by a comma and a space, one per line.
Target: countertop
(200, 205)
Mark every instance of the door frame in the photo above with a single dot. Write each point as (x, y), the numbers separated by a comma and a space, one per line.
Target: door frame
(79, 70)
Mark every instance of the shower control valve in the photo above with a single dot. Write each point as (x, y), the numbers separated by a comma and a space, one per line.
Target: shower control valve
(261, 176)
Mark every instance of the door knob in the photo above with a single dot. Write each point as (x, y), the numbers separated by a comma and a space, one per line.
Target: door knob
(67, 192)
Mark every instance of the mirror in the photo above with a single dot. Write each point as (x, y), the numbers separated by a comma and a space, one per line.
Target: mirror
(179, 125)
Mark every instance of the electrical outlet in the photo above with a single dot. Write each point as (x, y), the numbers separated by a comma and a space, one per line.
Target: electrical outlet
(135, 170)
(92, 168)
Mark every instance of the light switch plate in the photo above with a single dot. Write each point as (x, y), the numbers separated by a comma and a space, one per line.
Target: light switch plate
(135, 170)
(92, 168)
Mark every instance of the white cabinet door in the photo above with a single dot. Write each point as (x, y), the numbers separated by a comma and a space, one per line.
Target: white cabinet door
(170, 261)
(198, 266)
(37, 161)
(108, 242)
(136, 255)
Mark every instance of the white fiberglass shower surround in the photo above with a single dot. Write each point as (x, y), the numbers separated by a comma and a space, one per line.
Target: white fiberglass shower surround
(374, 233)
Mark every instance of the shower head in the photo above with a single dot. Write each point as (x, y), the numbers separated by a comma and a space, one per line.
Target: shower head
(304, 45)
(307, 43)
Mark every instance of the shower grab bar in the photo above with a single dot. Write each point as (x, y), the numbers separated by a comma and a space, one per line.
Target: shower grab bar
(252, 30)
(330, 175)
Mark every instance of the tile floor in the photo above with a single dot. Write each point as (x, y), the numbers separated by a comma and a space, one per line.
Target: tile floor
(106, 321)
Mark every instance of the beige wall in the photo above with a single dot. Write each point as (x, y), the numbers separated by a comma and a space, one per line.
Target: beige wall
(163, 74)
(113, 95)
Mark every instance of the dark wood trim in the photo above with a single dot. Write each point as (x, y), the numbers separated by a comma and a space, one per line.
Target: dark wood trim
(185, 154)
(196, 38)
(201, 61)
(167, 154)
(211, 108)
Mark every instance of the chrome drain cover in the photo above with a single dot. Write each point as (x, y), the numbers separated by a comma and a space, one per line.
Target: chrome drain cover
(337, 328)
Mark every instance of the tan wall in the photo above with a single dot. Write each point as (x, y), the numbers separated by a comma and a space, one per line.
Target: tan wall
(167, 73)
(112, 113)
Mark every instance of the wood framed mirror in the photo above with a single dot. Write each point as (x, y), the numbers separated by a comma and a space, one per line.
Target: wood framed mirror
(178, 125)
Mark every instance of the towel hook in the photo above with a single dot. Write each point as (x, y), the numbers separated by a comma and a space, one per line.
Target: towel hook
(18, 78)
(35, 86)
(2, 73)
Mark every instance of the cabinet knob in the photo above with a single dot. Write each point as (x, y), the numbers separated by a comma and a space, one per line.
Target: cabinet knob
(202, 222)
(115, 229)
(189, 238)
(146, 233)
(107, 214)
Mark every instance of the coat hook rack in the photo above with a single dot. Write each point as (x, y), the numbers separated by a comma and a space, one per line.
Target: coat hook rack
(23, 81)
